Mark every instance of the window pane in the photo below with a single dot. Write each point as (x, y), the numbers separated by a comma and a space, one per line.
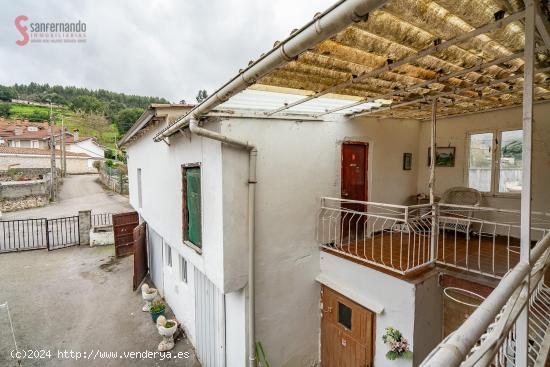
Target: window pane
(344, 315)
(480, 161)
(193, 196)
(511, 163)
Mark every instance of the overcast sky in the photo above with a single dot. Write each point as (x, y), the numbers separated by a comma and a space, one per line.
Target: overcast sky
(167, 48)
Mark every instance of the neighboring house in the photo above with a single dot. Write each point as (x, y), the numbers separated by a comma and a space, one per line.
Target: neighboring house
(82, 144)
(12, 157)
(24, 134)
(302, 231)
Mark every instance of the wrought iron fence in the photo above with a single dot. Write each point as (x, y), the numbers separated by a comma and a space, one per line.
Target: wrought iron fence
(102, 219)
(63, 232)
(394, 237)
(26, 234)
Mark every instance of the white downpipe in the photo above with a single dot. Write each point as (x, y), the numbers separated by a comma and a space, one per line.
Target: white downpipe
(319, 29)
(253, 153)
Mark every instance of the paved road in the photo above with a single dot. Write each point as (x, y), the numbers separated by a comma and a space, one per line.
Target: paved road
(80, 299)
(78, 192)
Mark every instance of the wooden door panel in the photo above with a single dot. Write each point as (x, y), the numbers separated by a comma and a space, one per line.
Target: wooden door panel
(346, 337)
(140, 254)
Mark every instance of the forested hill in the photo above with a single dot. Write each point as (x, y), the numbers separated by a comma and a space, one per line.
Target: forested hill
(117, 108)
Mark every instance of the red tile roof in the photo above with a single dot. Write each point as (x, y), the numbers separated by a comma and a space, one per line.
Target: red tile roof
(14, 150)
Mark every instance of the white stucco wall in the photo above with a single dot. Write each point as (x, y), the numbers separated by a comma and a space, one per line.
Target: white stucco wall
(453, 132)
(75, 165)
(395, 295)
(298, 162)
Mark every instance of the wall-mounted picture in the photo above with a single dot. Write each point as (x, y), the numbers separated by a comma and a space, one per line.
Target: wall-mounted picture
(407, 161)
(444, 157)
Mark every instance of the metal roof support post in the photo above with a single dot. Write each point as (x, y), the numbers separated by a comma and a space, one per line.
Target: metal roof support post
(522, 327)
(433, 145)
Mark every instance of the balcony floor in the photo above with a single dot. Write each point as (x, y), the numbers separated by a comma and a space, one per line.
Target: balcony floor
(488, 255)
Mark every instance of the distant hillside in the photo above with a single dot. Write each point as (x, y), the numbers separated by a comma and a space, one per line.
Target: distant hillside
(118, 109)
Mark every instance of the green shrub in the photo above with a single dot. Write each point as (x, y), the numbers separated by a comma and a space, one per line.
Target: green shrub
(157, 306)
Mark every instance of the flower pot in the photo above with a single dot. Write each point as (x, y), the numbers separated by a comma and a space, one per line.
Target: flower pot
(155, 315)
(167, 334)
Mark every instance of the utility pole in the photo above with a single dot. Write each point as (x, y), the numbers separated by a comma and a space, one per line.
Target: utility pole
(53, 186)
(63, 152)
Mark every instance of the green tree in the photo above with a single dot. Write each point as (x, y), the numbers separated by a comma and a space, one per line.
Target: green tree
(7, 93)
(126, 118)
(86, 104)
(5, 110)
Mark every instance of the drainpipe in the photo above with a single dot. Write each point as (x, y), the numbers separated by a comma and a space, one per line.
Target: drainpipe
(253, 153)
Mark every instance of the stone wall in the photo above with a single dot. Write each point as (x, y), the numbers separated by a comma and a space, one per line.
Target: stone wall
(17, 195)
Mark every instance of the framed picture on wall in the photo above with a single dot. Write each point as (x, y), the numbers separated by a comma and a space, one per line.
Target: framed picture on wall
(407, 161)
(444, 156)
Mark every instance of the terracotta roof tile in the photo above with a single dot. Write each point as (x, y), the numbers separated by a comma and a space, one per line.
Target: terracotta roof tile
(14, 150)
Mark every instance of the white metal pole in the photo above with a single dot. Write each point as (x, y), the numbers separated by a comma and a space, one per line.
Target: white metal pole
(63, 153)
(53, 171)
(522, 326)
(433, 145)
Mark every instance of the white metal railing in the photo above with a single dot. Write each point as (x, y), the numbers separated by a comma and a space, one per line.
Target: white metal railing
(398, 237)
(483, 240)
(394, 237)
(488, 336)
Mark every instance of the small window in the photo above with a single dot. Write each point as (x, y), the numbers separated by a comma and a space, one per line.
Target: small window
(32, 128)
(168, 255)
(183, 269)
(139, 187)
(495, 161)
(191, 204)
(344, 315)
(511, 161)
(480, 162)
(35, 144)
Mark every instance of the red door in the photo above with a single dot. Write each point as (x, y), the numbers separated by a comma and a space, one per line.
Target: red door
(354, 171)
(123, 225)
(354, 185)
(140, 254)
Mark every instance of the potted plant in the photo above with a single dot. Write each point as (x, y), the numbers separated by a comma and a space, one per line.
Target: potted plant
(157, 309)
(166, 329)
(148, 294)
(397, 344)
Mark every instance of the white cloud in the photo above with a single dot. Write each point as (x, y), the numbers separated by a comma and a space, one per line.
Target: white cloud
(168, 48)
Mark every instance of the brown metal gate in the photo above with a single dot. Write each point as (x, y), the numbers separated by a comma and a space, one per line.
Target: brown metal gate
(123, 227)
(140, 254)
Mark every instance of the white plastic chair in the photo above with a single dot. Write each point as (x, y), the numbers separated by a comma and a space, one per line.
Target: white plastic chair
(460, 196)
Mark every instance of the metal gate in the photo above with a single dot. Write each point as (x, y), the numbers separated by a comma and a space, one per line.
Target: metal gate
(63, 232)
(40, 233)
(24, 234)
(123, 227)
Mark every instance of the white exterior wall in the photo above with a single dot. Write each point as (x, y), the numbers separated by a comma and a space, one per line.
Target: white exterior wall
(453, 132)
(298, 162)
(88, 147)
(161, 208)
(75, 165)
(397, 297)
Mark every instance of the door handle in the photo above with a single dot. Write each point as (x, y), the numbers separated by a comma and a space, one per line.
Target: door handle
(345, 194)
(328, 310)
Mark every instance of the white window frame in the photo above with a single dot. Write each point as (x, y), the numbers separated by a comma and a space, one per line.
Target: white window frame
(35, 144)
(495, 159)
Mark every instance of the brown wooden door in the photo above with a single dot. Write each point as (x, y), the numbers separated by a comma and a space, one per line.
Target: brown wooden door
(354, 186)
(140, 254)
(347, 332)
(123, 227)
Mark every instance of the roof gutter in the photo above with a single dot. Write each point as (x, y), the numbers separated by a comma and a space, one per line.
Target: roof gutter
(322, 27)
